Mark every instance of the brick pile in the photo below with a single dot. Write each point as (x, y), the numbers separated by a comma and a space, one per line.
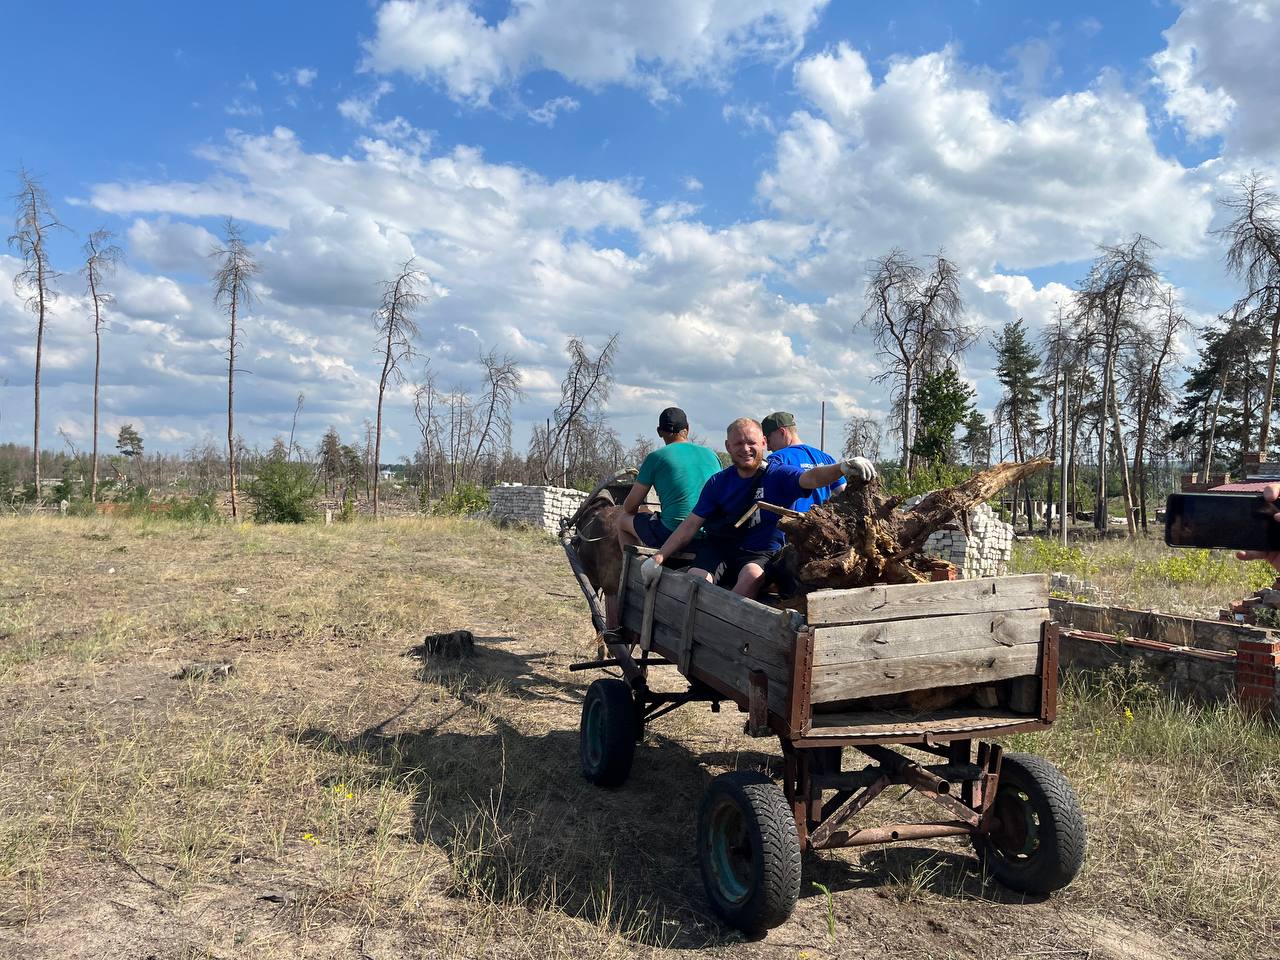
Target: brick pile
(1262, 608)
(539, 507)
(984, 551)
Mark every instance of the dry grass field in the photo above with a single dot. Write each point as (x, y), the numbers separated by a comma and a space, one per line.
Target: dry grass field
(335, 796)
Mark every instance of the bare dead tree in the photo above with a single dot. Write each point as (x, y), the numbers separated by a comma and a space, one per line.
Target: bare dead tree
(1253, 255)
(461, 430)
(101, 258)
(586, 384)
(33, 222)
(231, 291)
(1120, 285)
(426, 399)
(401, 298)
(302, 397)
(501, 391)
(862, 438)
(916, 320)
(1150, 391)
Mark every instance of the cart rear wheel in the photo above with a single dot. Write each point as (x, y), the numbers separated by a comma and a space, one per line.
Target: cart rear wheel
(748, 851)
(607, 733)
(1037, 841)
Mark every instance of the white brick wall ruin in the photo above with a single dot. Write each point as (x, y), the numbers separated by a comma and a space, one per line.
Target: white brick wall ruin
(985, 551)
(540, 507)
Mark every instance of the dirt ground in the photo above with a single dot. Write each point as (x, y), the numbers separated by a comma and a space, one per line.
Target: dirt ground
(339, 796)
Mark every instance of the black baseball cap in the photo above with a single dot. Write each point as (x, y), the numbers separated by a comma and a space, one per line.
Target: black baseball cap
(672, 420)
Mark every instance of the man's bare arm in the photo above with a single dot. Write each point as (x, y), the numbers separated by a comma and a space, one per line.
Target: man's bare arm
(680, 537)
(636, 497)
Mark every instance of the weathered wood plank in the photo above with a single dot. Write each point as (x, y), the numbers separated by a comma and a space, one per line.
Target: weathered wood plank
(709, 634)
(743, 614)
(737, 675)
(903, 601)
(874, 677)
(892, 639)
(895, 723)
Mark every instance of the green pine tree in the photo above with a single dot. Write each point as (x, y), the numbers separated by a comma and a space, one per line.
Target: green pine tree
(943, 403)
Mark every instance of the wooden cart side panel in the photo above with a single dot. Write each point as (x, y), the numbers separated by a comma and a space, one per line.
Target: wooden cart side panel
(728, 651)
(741, 613)
(671, 613)
(894, 639)
(936, 652)
(877, 677)
(909, 600)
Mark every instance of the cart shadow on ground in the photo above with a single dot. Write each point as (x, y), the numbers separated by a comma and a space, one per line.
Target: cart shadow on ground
(521, 829)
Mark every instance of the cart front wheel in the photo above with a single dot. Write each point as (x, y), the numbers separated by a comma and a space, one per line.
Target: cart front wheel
(748, 851)
(607, 733)
(1036, 844)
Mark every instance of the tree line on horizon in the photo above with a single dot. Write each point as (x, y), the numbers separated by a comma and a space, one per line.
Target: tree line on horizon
(1098, 388)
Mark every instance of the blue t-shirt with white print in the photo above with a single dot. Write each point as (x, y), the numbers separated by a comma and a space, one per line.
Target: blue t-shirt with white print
(725, 498)
(806, 458)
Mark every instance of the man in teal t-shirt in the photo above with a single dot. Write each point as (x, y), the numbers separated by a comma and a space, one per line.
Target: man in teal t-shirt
(677, 470)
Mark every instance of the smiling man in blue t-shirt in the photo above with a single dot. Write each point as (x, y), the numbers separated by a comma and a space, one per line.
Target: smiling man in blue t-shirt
(744, 551)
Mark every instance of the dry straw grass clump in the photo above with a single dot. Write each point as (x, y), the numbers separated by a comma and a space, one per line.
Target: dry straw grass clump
(336, 795)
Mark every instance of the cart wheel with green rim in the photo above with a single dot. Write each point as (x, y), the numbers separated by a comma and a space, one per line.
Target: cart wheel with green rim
(1037, 838)
(748, 851)
(607, 733)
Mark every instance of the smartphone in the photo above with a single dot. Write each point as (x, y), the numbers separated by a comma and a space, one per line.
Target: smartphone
(1224, 521)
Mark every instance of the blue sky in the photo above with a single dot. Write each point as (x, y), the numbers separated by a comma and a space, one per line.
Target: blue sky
(710, 178)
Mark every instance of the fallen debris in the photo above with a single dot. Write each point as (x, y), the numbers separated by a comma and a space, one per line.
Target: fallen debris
(205, 670)
(859, 537)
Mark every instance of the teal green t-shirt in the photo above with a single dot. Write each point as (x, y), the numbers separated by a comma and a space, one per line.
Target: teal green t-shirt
(678, 471)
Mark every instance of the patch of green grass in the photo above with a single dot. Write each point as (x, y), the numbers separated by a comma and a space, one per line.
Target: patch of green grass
(1146, 574)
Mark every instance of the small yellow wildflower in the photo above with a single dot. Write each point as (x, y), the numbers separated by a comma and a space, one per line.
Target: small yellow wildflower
(310, 838)
(1128, 715)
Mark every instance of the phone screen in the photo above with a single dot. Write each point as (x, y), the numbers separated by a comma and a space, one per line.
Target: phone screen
(1224, 521)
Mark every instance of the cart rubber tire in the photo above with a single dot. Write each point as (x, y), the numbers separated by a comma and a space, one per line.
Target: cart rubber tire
(607, 733)
(748, 851)
(1038, 844)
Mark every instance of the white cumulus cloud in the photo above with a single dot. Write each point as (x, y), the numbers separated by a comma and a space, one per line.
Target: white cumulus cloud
(652, 46)
(1218, 71)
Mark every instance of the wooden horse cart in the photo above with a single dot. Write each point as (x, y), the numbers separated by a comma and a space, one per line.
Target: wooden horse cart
(867, 674)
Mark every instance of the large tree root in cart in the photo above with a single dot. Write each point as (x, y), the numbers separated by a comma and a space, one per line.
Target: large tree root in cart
(859, 537)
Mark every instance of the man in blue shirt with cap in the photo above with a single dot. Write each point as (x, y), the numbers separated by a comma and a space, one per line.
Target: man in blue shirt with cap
(783, 438)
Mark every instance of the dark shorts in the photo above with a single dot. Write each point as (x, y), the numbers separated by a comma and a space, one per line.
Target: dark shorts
(724, 560)
(650, 529)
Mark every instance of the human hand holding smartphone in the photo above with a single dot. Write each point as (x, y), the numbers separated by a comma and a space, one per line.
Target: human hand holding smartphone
(1246, 522)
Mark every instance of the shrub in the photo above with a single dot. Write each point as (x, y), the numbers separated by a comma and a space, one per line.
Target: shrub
(927, 479)
(463, 499)
(196, 509)
(348, 511)
(82, 507)
(1050, 556)
(283, 493)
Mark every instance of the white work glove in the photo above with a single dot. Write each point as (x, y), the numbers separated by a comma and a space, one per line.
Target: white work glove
(650, 571)
(858, 468)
